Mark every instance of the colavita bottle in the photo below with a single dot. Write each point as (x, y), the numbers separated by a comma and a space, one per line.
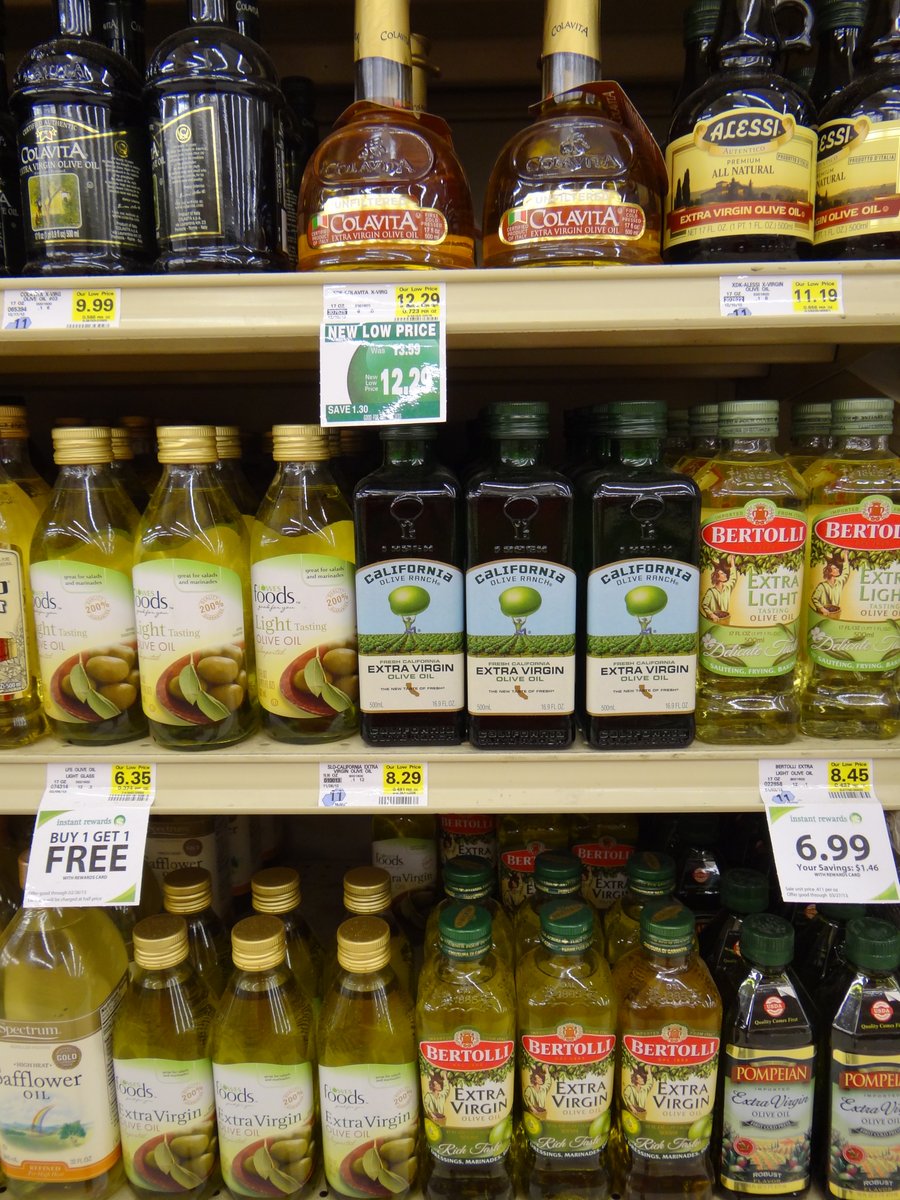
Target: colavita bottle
(470, 880)
(604, 842)
(810, 434)
(12, 251)
(642, 590)
(217, 148)
(409, 595)
(584, 182)
(520, 590)
(21, 715)
(276, 890)
(122, 30)
(247, 20)
(385, 188)
(852, 607)
(743, 892)
(742, 150)
(83, 167)
(423, 69)
(649, 877)
(752, 542)
(192, 601)
(838, 24)
(557, 876)
(521, 840)
(700, 20)
(14, 456)
(187, 893)
(303, 613)
(122, 467)
(703, 426)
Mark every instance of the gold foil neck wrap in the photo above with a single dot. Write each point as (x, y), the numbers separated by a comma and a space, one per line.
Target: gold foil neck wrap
(275, 890)
(13, 421)
(382, 30)
(187, 890)
(258, 943)
(122, 449)
(160, 942)
(85, 444)
(300, 443)
(228, 441)
(572, 27)
(187, 443)
(367, 890)
(363, 944)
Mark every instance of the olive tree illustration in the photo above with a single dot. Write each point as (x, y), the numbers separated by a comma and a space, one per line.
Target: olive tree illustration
(408, 603)
(645, 603)
(519, 603)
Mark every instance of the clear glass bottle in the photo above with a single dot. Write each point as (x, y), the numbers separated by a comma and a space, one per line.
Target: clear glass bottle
(703, 430)
(603, 843)
(700, 20)
(192, 573)
(367, 892)
(557, 875)
(81, 560)
(810, 434)
(176, 842)
(743, 891)
(187, 893)
(14, 456)
(677, 435)
(22, 717)
(649, 877)
(423, 70)
(142, 433)
(276, 890)
(520, 840)
(838, 25)
(302, 573)
(122, 467)
(470, 880)
(698, 880)
(467, 833)
(405, 845)
(231, 473)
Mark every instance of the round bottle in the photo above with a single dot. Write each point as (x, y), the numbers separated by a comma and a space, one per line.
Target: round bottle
(700, 19)
(470, 880)
(604, 843)
(367, 892)
(703, 428)
(122, 467)
(648, 877)
(187, 892)
(520, 840)
(276, 890)
(231, 473)
(557, 875)
(14, 456)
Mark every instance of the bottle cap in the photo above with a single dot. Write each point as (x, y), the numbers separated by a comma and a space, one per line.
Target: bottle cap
(873, 414)
(258, 943)
(667, 928)
(275, 890)
(367, 890)
(408, 433)
(87, 444)
(814, 417)
(638, 418)
(465, 931)
(841, 912)
(518, 418)
(353, 441)
(122, 449)
(837, 14)
(767, 940)
(703, 420)
(678, 421)
(364, 944)
(186, 443)
(872, 945)
(567, 926)
(228, 441)
(468, 877)
(160, 942)
(187, 890)
(748, 418)
(650, 874)
(700, 19)
(13, 421)
(557, 872)
(744, 890)
(300, 443)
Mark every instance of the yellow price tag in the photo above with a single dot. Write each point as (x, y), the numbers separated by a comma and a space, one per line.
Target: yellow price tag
(849, 776)
(95, 305)
(406, 779)
(131, 779)
(817, 296)
(418, 301)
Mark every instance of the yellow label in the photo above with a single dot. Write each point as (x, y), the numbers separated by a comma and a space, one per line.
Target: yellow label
(857, 179)
(382, 30)
(572, 27)
(816, 296)
(418, 301)
(130, 779)
(407, 779)
(849, 776)
(95, 304)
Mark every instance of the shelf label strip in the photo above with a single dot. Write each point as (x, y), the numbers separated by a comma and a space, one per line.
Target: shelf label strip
(373, 785)
(780, 295)
(61, 308)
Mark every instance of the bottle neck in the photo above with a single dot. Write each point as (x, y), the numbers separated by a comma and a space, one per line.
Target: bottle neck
(80, 475)
(302, 472)
(15, 450)
(639, 451)
(75, 18)
(810, 443)
(696, 65)
(747, 445)
(564, 72)
(746, 36)
(834, 66)
(862, 441)
(209, 12)
(519, 452)
(247, 20)
(414, 453)
(382, 81)
(880, 40)
(669, 962)
(383, 73)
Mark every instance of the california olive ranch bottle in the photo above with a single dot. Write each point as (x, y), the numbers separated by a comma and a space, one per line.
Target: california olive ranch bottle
(12, 251)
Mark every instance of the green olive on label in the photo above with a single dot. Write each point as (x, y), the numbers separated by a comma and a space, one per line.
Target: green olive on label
(134, 678)
(123, 695)
(233, 652)
(216, 669)
(127, 653)
(174, 688)
(339, 662)
(229, 694)
(289, 1149)
(349, 685)
(65, 685)
(398, 1150)
(105, 668)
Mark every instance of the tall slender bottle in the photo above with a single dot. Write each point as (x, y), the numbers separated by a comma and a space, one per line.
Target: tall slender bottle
(122, 29)
(810, 434)
(604, 842)
(405, 845)
(187, 893)
(192, 601)
(81, 558)
(822, 956)
(122, 467)
(838, 24)
(409, 595)
(303, 613)
(12, 250)
(21, 714)
(276, 890)
(753, 537)
(700, 20)
(649, 877)
(14, 456)
(743, 892)
(520, 589)
(521, 840)
(470, 880)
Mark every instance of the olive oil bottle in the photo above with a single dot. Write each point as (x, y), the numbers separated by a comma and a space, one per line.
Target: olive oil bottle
(470, 880)
(122, 467)
(468, 833)
(557, 876)
(810, 434)
(822, 955)
(604, 843)
(648, 877)
(164, 1080)
(520, 840)
(187, 893)
(231, 473)
(703, 428)
(192, 601)
(261, 1046)
(276, 890)
(22, 718)
(14, 456)
(81, 560)
(404, 845)
(367, 892)
(744, 892)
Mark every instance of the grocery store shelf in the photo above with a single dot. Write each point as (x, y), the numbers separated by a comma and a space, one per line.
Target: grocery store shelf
(263, 776)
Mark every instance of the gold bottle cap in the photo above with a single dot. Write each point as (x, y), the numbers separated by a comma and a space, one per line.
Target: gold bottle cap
(300, 443)
(13, 421)
(23, 867)
(228, 441)
(122, 449)
(186, 443)
(160, 942)
(258, 943)
(88, 444)
(187, 890)
(275, 890)
(363, 944)
(367, 890)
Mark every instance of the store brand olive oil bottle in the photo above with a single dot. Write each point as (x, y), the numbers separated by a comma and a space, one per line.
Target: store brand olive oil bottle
(367, 892)
(14, 452)
(187, 893)
(276, 890)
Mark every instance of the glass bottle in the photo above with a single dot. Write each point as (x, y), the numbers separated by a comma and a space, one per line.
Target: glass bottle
(557, 876)
(753, 204)
(520, 589)
(21, 714)
(385, 188)
(187, 893)
(698, 865)
(81, 560)
(604, 842)
(122, 30)
(583, 182)
(649, 877)
(821, 955)
(276, 890)
(12, 250)
(122, 467)
(703, 429)
(423, 69)
(752, 542)
(231, 473)
(177, 842)
(367, 892)
(357, 454)
(405, 845)
(810, 434)
(14, 456)
(368, 1069)
(466, 1032)
(700, 20)
(247, 20)
(409, 595)
(470, 880)
(244, 853)
(192, 601)
(838, 25)
(126, 916)
(263, 1056)
(217, 148)
(520, 840)
(743, 892)
(142, 433)
(678, 439)
(852, 637)
(164, 1080)
(86, 210)
(467, 833)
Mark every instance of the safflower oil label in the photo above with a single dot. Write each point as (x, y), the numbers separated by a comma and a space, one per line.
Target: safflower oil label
(858, 179)
(467, 1097)
(567, 1075)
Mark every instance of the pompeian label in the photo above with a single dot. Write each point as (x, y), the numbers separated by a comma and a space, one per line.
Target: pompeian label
(857, 179)
(517, 874)
(853, 586)
(864, 1132)
(567, 1077)
(751, 574)
(744, 172)
(15, 671)
(373, 219)
(603, 863)
(595, 214)
(187, 170)
(468, 835)
(467, 1097)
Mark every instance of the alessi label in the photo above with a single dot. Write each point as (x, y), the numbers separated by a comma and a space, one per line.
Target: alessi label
(15, 670)
(567, 1076)
(864, 1128)
(467, 1096)
(586, 214)
(375, 219)
(858, 185)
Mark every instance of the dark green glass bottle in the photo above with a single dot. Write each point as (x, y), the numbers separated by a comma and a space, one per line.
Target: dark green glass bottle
(12, 253)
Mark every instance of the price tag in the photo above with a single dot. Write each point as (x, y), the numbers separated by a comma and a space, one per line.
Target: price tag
(383, 355)
(373, 785)
(132, 779)
(61, 308)
(828, 831)
(779, 295)
(817, 295)
(93, 305)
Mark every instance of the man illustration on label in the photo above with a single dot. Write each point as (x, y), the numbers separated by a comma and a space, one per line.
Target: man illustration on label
(826, 596)
(535, 1094)
(637, 1092)
(717, 597)
(436, 1099)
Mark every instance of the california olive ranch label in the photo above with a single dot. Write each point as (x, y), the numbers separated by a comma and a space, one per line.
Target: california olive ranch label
(857, 190)
(567, 1077)
(467, 1097)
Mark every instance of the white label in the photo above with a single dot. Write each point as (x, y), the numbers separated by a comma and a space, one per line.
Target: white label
(61, 308)
(14, 667)
(373, 785)
(410, 862)
(177, 842)
(779, 295)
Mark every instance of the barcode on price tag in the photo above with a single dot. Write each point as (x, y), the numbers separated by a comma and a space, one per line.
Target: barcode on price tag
(61, 308)
(779, 295)
(373, 785)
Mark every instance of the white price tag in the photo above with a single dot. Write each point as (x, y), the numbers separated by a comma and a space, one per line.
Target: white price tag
(779, 295)
(829, 835)
(373, 785)
(89, 836)
(61, 308)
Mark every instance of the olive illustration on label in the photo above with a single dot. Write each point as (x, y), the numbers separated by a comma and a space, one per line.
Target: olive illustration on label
(177, 1162)
(532, 1125)
(644, 603)
(383, 1167)
(519, 603)
(600, 1126)
(701, 1129)
(501, 1133)
(408, 602)
(205, 686)
(96, 685)
(324, 679)
(276, 1166)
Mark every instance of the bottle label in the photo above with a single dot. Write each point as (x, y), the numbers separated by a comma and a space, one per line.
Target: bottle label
(642, 638)
(410, 619)
(468, 835)
(179, 842)
(15, 671)
(410, 862)
(167, 1118)
(384, 32)
(82, 180)
(857, 190)
(190, 633)
(751, 573)
(567, 1077)
(185, 157)
(854, 586)
(588, 214)
(370, 1125)
(603, 863)
(767, 1118)
(520, 638)
(374, 219)
(745, 172)
(84, 618)
(517, 874)
(667, 1087)
(305, 630)
(467, 1097)
(58, 1118)
(266, 1116)
(865, 1118)
(571, 28)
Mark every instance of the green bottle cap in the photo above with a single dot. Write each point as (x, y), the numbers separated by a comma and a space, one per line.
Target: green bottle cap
(465, 931)
(744, 890)
(519, 418)
(638, 418)
(557, 872)
(667, 928)
(650, 874)
(700, 19)
(703, 420)
(841, 912)
(748, 418)
(767, 940)
(567, 926)
(678, 421)
(598, 420)
(872, 945)
(409, 433)
(811, 418)
(840, 14)
(873, 414)
(468, 877)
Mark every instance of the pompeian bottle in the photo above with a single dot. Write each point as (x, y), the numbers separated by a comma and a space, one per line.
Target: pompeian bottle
(217, 148)
(700, 20)
(810, 434)
(520, 589)
(12, 250)
(83, 166)
(187, 893)
(838, 24)
(122, 30)
(743, 892)
(409, 595)
(822, 956)
(742, 149)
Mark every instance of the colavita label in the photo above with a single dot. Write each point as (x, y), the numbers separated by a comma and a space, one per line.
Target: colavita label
(384, 33)
(858, 179)
(375, 220)
(603, 864)
(590, 214)
(468, 835)
(467, 1097)
(15, 671)
(667, 1086)
(567, 1077)
(744, 172)
(864, 1134)
(751, 574)
(572, 27)
(185, 158)
(853, 586)
(517, 874)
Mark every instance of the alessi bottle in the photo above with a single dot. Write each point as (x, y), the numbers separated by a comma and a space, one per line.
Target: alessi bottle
(276, 890)
(604, 844)
(187, 893)
(21, 715)
(521, 840)
(470, 880)
(649, 877)
(838, 25)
